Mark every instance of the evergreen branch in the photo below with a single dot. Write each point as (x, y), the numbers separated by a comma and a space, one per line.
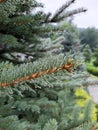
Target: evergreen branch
(14, 61)
(47, 18)
(5, 65)
(20, 20)
(62, 8)
(35, 4)
(68, 67)
(52, 45)
(51, 125)
(47, 29)
(7, 8)
(68, 14)
(9, 41)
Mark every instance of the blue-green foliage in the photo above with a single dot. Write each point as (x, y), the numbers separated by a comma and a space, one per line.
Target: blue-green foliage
(47, 102)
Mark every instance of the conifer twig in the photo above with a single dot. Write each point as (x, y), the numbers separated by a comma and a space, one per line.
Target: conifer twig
(62, 8)
(39, 74)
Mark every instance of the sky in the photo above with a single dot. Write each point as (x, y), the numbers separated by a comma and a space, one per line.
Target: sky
(87, 19)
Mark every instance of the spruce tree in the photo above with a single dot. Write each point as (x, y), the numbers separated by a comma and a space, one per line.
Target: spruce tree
(87, 52)
(96, 56)
(39, 95)
(71, 35)
(21, 27)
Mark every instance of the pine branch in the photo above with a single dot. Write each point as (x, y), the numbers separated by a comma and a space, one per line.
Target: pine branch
(62, 9)
(47, 19)
(20, 20)
(5, 65)
(68, 14)
(68, 67)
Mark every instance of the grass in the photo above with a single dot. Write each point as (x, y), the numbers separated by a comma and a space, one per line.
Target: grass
(91, 68)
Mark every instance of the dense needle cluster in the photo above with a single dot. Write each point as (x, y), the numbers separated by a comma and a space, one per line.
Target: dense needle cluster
(39, 74)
